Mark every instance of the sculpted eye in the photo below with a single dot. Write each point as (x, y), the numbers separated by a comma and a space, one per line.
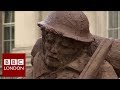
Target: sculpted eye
(50, 38)
(50, 41)
(64, 44)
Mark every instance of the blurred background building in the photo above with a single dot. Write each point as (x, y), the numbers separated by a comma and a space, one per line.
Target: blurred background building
(19, 30)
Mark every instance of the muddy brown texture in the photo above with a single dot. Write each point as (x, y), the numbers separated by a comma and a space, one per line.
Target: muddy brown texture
(66, 47)
(72, 24)
(60, 50)
(73, 69)
(37, 47)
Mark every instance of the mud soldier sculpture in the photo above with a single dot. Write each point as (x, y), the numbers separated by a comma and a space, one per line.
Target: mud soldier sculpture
(68, 50)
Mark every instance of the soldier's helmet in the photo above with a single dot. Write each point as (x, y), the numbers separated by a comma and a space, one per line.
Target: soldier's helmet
(71, 24)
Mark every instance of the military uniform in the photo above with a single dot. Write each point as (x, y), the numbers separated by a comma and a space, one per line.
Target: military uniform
(73, 69)
(74, 25)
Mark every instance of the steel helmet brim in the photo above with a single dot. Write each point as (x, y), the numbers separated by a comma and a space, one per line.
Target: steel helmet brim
(83, 38)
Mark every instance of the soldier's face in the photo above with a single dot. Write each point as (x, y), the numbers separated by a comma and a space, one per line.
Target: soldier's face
(60, 50)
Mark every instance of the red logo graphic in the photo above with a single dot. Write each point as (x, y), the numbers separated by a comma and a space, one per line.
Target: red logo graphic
(13, 65)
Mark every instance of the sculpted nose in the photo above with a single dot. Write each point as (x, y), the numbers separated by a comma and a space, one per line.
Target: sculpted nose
(54, 49)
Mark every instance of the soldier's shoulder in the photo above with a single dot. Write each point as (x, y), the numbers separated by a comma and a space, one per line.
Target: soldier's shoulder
(107, 71)
(114, 54)
(36, 47)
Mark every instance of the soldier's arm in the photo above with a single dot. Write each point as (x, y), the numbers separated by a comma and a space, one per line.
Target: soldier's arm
(113, 56)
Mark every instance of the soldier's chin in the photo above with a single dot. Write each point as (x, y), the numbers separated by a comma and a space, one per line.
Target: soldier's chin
(50, 63)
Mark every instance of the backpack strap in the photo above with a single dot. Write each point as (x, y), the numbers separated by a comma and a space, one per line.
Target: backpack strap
(89, 72)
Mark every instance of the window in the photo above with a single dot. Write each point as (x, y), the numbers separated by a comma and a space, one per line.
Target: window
(8, 31)
(114, 24)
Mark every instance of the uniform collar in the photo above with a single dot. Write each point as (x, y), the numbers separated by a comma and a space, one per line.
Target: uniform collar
(76, 65)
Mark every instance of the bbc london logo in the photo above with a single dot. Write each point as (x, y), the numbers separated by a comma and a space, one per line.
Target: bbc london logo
(13, 65)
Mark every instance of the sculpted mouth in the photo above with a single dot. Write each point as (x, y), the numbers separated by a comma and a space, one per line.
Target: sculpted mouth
(53, 59)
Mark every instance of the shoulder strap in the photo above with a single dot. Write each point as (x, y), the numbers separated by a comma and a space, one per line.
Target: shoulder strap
(89, 72)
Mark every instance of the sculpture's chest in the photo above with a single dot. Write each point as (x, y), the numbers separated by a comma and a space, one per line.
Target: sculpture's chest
(63, 74)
